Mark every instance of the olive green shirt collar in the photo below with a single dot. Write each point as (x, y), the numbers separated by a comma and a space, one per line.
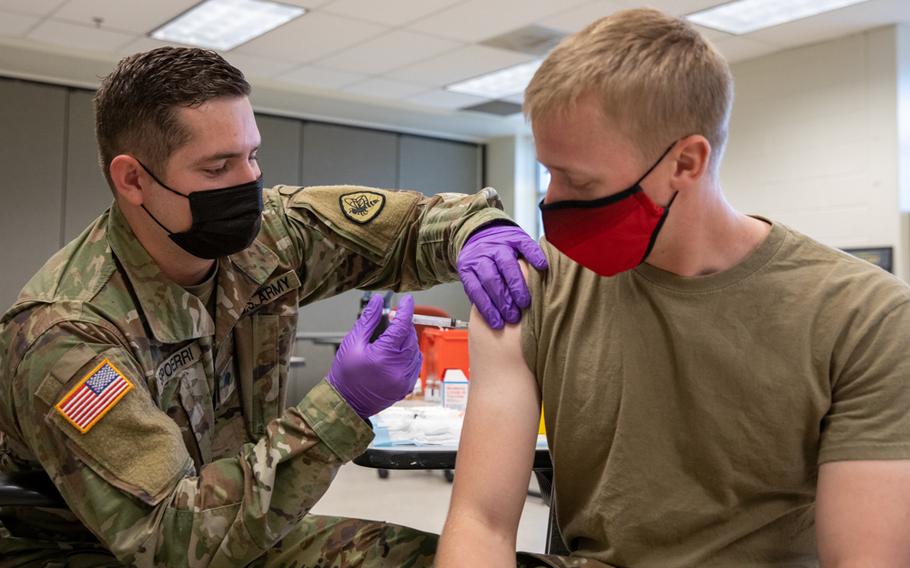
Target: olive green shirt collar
(173, 314)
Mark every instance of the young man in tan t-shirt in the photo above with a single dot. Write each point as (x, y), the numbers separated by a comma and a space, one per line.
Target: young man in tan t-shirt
(719, 389)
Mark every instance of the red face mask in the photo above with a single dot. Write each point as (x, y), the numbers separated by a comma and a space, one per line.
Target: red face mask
(608, 235)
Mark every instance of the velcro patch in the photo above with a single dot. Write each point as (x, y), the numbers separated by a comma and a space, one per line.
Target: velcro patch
(176, 362)
(362, 206)
(273, 289)
(98, 392)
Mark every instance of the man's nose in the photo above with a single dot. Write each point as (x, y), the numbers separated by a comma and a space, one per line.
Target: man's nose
(253, 170)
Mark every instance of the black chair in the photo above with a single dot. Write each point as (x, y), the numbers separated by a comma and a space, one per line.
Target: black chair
(28, 489)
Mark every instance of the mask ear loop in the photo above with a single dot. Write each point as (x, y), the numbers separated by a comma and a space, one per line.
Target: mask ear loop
(642, 178)
(162, 184)
(660, 223)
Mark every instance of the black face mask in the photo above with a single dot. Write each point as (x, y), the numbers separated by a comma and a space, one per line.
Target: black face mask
(225, 221)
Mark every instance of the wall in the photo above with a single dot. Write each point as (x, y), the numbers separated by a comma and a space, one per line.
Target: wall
(53, 188)
(815, 141)
(511, 169)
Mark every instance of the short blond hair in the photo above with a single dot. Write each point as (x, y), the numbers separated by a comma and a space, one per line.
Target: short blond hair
(657, 77)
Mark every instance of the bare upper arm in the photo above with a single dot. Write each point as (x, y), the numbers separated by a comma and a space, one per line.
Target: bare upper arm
(863, 513)
(500, 429)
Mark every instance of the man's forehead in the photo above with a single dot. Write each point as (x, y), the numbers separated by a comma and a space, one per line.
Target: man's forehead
(214, 133)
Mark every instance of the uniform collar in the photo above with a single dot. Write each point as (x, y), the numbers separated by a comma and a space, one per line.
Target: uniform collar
(239, 277)
(173, 314)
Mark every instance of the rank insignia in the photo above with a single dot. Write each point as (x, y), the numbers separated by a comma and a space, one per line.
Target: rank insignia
(362, 206)
(98, 392)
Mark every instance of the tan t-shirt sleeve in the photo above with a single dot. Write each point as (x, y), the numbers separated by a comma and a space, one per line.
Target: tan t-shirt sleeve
(530, 322)
(869, 417)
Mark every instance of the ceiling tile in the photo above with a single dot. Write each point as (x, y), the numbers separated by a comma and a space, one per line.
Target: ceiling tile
(307, 3)
(16, 24)
(32, 7)
(477, 20)
(389, 12)
(836, 23)
(311, 36)
(389, 51)
(143, 44)
(681, 7)
(320, 78)
(517, 98)
(445, 99)
(713, 35)
(385, 89)
(577, 18)
(140, 17)
(80, 37)
(253, 66)
(459, 64)
(741, 48)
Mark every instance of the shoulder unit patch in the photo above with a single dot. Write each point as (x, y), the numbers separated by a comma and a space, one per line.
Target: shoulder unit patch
(98, 392)
(362, 206)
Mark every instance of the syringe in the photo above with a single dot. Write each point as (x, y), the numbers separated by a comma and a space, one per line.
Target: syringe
(433, 321)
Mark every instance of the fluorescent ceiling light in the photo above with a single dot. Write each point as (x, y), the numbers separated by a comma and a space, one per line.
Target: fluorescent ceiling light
(744, 16)
(225, 24)
(500, 83)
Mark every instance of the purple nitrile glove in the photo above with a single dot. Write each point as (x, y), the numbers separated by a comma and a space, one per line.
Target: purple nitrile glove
(373, 376)
(489, 270)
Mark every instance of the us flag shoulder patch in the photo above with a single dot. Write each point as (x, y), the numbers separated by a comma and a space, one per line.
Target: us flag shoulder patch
(98, 392)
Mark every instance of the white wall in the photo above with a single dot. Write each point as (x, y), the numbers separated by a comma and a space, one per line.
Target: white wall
(511, 169)
(814, 141)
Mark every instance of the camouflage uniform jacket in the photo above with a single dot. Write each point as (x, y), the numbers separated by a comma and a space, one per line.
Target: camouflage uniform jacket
(200, 463)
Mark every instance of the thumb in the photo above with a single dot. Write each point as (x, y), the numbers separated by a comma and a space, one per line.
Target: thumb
(402, 326)
(368, 320)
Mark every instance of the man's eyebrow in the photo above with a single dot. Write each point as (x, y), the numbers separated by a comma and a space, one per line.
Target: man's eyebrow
(569, 171)
(223, 156)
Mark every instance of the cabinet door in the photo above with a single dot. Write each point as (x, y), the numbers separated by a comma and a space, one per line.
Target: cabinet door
(279, 154)
(86, 193)
(338, 155)
(335, 155)
(32, 120)
(438, 166)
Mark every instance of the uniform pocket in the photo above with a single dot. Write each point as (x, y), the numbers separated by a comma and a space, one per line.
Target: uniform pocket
(266, 372)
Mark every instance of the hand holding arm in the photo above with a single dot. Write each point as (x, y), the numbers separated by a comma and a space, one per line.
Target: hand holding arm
(490, 273)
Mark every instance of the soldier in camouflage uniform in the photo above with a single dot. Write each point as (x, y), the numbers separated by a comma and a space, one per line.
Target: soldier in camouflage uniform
(144, 367)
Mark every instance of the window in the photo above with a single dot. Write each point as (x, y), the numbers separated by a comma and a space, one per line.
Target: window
(543, 181)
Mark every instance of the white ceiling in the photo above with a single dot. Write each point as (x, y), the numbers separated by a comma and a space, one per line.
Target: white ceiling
(369, 61)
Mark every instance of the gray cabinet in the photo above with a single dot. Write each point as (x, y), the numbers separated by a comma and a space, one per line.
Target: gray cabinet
(32, 122)
(438, 166)
(279, 154)
(86, 193)
(345, 155)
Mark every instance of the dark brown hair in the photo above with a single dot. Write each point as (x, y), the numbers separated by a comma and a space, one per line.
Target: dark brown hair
(135, 107)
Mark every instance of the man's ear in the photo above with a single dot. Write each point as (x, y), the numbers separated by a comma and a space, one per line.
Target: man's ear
(127, 177)
(691, 160)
